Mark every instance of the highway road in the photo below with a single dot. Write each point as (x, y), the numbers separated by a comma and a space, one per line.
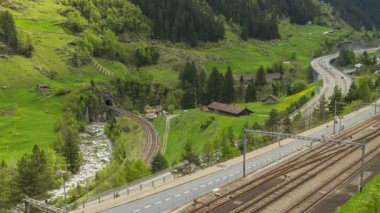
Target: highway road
(331, 77)
(179, 195)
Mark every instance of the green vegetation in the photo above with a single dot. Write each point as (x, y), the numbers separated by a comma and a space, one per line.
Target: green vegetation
(345, 58)
(366, 201)
(127, 137)
(192, 121)
(159, 163)
(34, 175)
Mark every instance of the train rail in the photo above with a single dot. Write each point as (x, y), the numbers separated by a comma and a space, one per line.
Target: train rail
(151, 136)
(258, 193)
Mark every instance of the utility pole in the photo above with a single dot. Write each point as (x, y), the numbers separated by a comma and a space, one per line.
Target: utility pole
(361, 181)
(63, 174)
(244, 149)
(312, 139)
(375, 107)
(334, 118)
(340, 125)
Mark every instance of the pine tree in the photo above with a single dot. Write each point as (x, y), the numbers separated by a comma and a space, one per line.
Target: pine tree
(189, 97)
(228, 93)
(321, 110)
(208, 154)
(336, 97)
(273, 121)
(260, 77)
(8, 27)
(190, 155)
(287, 125)
(214, 85)
(159, 163)
(33, 174)
(201, 91)
(69, 146)
(251, 93)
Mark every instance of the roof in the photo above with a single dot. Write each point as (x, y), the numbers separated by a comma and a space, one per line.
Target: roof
(43, 85)
(272, 97)
(247, 77)
(226, 108)
(150, 110)
(273, 76)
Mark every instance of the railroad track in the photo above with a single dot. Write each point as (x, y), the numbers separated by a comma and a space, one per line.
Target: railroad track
(260, 192)
(151, 137)
(309, 201)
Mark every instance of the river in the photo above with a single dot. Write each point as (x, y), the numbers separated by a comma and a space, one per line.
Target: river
(96, 150)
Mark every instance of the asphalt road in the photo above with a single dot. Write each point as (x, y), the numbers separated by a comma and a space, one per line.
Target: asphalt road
(331, 77)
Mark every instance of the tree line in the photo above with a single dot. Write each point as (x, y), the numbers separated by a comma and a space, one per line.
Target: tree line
(259, 19)
(358, 13)
(182, 21)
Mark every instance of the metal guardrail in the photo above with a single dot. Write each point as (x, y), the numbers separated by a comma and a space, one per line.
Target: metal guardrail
(41, 205)
(112, 192)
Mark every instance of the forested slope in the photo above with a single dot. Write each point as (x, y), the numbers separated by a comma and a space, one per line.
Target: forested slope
(358, 13)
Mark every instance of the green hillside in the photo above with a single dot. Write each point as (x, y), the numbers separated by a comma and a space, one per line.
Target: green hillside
(54, 47)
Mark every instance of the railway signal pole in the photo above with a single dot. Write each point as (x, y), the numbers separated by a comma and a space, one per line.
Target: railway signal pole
(334, 118)
(244, 149)
(306, 138)
(361, 181)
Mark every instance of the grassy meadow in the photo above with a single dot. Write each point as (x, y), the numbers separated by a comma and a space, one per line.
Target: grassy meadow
(36, 112)
(191, 121)
(366, 201)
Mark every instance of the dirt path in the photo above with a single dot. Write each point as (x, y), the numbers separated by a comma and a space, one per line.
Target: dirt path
(166, 134)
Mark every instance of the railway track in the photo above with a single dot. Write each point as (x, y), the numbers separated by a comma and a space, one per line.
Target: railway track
(266, 189)
(151, 137)
(309, 201)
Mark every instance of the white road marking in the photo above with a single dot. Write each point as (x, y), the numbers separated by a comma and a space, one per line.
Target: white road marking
(211, 182)
(195, 189)
(203, 186)
(186, 192)
(231, 175)
(136, 210)
(177, 195)
(158, 202)
(148, 206)
(169, 198)
(224, 177)
(217, 180)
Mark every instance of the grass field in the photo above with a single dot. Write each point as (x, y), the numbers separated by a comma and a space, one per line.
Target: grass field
(132, 139)
(34, 120)
(193, 119)
(366, 201)
(247, 56)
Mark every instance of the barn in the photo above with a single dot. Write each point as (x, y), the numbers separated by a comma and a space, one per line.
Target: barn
(270, 100)
(227, 109)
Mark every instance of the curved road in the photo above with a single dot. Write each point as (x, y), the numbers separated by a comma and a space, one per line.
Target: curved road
(152, 139)
(331, 77)
(197, 185)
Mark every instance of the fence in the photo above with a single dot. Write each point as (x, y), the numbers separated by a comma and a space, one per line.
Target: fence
(132, 188)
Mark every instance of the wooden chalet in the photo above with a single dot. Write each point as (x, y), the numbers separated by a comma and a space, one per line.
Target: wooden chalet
(42, 87)
(228, 109)
(270, 100)
(271, 77)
